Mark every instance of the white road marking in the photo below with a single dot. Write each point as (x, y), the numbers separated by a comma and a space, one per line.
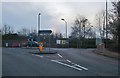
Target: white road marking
(59, 55)
(81, 67)
(66, 65)
(38, 55)
(69, 61)
(32, 54)
(77, 65)
(41, 56)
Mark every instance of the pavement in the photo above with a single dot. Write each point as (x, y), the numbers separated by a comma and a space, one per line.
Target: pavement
(66, 62)
(107, 53)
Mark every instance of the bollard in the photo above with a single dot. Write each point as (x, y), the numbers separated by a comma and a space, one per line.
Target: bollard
(6, 44)
(40, 46)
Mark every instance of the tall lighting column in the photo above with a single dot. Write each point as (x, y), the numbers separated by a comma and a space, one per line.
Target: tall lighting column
(66, 30)
(66, 26)
(39, 25)
(106, 24)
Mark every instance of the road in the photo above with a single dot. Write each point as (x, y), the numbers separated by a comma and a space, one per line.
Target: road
(66, 62)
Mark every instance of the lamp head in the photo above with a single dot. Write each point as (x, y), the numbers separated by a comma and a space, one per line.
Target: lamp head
(39, 13)
(62, 19)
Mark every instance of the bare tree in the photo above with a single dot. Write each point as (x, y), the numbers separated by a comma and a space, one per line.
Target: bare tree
(100, 23)
(7, 29)
(4, 29)
(58, 35)
(34, 31)
(24, 31)
(81, 28)
(114, 20)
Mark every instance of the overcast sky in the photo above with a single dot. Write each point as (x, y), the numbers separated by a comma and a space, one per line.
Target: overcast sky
(24, 14)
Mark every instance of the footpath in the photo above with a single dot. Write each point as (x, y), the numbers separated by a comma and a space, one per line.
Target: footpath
(103, 51)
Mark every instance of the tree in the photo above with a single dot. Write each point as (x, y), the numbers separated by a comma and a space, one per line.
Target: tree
(57, 35)
(114, 20)
(24, 31)
(81, 28)
(6, 29)
(114, 24)
(118, 9)
(100, 23)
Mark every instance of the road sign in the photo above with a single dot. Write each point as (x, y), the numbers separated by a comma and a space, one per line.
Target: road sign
(45, 31)
(31, 35)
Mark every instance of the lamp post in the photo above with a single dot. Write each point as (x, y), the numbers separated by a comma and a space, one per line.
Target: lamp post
(38, 25)
(79, 39)
(84, 26)
(106, 22)
(39, 22)
(66, 26)
(66, 30)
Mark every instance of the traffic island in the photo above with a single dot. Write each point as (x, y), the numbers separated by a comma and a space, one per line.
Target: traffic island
(44, 52)
(29, 47)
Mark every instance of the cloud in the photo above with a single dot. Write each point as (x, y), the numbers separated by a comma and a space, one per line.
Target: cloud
(55, 11)
(18, 14)
(0, 15)
(25, 14)
(56, 0)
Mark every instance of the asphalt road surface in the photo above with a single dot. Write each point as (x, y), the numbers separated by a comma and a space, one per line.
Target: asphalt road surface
(66, 62)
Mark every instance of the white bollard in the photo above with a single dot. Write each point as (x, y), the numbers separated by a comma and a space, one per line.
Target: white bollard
(19, 44)
(6, 44)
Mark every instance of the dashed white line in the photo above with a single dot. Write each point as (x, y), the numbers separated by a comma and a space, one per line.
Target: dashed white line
(59, 55)
(77, 65)
(32, 54)
(66, 65)
(39, 56)
(81, 67)
(68, 61)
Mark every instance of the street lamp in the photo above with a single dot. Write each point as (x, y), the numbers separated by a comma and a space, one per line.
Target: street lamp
(39, 22)
(106, 23)
(39, 26)
(84, 26)
(66, 26)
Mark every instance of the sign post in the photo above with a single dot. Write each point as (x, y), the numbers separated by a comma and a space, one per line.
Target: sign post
(41, 40)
